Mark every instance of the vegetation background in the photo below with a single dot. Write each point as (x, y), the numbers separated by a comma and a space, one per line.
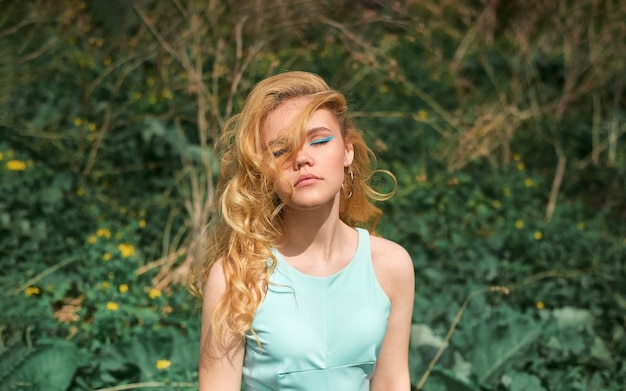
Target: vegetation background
(503, 121)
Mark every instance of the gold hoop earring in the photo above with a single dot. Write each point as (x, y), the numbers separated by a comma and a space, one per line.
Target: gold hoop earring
(351, 182)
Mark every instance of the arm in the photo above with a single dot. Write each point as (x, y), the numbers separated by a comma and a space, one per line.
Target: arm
(396, 275)
(218, 370)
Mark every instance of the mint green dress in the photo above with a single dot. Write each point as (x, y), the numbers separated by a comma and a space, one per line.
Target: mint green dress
(318, 333)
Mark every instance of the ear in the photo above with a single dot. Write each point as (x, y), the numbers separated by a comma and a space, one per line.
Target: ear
(349, 155)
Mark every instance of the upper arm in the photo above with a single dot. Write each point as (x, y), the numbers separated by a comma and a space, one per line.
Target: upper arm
(218, 370)
(396, 275)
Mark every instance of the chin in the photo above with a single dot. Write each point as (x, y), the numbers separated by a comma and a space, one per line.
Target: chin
(311, 203)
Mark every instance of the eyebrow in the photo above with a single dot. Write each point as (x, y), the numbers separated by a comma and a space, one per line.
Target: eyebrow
(283, 140)
(317, 129)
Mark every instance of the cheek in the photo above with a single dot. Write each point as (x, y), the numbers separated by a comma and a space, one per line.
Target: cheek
(283, 188)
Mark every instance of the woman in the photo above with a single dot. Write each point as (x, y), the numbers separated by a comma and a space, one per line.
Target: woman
(294, 296)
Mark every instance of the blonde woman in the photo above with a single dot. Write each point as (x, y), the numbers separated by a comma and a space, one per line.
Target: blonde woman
(296, 295)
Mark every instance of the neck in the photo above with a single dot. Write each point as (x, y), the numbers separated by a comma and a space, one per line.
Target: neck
(313, 231)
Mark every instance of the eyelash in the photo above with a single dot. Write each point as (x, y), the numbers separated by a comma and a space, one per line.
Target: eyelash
(311, 144)
(321, 141)
(279, 152)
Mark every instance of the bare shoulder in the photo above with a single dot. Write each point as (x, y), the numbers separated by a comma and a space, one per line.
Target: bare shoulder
(393, 266)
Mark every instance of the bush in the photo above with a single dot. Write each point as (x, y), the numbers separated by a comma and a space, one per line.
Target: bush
(502, 133)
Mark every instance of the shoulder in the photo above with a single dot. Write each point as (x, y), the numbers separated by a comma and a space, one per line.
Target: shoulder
(386, 248)
(393, 266)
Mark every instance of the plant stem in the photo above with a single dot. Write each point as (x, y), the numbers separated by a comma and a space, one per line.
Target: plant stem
(44, 273)
(148, 384)
(505, 290)
(445, 342)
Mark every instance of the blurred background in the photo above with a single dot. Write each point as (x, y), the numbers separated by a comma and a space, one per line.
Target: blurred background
(502, 120)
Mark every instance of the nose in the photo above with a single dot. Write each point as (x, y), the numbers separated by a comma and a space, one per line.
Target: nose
(303, 158)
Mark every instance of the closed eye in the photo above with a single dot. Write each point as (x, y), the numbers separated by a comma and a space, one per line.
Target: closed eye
(321, 141)
(280, 152)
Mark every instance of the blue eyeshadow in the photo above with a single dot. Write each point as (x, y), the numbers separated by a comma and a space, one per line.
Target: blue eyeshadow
(322, 140)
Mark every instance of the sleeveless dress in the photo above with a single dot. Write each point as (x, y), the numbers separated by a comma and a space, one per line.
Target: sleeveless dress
(318, 333)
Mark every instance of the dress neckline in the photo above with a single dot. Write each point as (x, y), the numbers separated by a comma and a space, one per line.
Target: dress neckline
(286, 268)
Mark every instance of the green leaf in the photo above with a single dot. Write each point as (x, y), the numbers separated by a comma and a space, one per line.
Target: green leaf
(446, 380)
(50, 367)
(496, 340)
(137, 358)
(572, 317)
(519, 381)
(153, 127)
(422, 334)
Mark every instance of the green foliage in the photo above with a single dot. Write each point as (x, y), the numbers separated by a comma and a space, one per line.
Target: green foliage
(557, 301)
(48, 366)
(160, 357)
(109, 110)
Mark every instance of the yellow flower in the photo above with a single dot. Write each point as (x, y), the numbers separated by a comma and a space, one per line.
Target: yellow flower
(163, 364)
(537, 235)
(127, 250)
(106, 256)
(16, 165)
(107, 60)
(103, 233)
(519, 224)
(91, 127)
(32, 290)
(154, 293)
(152, 99)
(78, 121)
(520, 166)
(580, 225)
(142, 223)
(137, 95)
(92, 239)
(506, 192)
(167, 94)
(111, 306)
(528, 182)
(384, 89)
(516, 157)
(495, 203)
(80, 192)
(1, 156)
(123, 288)
(105, 284)
(422, 114)
(540, 305)
(150, 82)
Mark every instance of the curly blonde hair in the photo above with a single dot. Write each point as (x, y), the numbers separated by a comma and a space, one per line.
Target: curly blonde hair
(247, 220)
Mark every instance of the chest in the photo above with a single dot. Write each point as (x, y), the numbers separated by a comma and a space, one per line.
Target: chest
(319, 323)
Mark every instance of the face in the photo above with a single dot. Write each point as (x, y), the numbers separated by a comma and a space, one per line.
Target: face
(316, 171)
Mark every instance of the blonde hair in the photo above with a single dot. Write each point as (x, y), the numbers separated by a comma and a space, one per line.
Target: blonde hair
(247, 220)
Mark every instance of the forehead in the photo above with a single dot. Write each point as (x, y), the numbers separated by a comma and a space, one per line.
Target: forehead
(286, 114)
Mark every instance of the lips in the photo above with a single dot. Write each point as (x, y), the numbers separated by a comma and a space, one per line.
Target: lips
(306, 179)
